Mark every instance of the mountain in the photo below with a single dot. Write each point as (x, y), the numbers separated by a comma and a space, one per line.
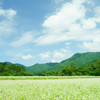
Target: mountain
(7, 62)
(9, 69)
(93, 62)
(20, 64)
(39, 67)
(79, 59)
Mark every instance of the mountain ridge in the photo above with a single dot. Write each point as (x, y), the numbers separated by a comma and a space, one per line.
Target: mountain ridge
(79, 59)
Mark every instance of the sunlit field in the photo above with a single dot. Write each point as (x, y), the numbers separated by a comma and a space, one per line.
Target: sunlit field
(44, 77)
(50, 89)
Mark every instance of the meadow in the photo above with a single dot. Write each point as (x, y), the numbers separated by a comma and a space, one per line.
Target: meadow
(43, 77)
(70, 88)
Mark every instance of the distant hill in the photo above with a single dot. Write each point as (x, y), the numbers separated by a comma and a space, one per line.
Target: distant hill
(79, 59)
(9, 63)
(39, 67)
(93, 62)
(9, 69)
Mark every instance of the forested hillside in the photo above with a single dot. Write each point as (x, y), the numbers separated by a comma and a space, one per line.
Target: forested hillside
(91, 68)
(79, 59)
(37, 68)
(9, 69)
(79, 64)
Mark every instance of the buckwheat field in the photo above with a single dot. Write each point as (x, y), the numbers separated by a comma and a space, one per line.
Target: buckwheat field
(50, 89)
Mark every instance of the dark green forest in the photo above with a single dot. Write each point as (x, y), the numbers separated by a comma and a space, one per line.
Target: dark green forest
(71, 70)
(79, 64)
(13, 70)
(79, 59)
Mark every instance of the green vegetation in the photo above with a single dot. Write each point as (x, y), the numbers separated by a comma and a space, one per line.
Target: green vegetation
(66, 89)
(78, 65)
(71, 70)
(79, 59)
(44, 77)
(8, 69)
(39, 68)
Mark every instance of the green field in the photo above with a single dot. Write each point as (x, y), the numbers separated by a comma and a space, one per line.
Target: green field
(74, 88)
(44, 77)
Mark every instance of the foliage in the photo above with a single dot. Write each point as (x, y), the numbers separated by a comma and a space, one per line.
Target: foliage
(39, 68)
(78, 64)
(12, 70)
(79, 59)
(72, 70)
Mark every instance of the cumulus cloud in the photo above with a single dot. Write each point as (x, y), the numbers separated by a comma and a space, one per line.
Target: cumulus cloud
(70, 22)
(56, 55)
(26, 57)
(93, 45)
(61, 54)
(45, 55)
(8, 14)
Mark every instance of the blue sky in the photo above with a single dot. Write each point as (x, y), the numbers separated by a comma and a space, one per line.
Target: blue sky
(40, 31)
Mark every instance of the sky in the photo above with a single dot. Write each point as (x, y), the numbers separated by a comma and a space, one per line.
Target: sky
(42, 31)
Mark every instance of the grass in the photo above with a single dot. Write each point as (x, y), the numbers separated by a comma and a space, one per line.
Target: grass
(44, 77)
(51, 89)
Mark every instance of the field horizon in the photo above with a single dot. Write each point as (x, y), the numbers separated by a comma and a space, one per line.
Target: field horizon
(44, 77)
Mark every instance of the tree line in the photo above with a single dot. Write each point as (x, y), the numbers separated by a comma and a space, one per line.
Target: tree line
(69, 70)
(72, 70)
(13, 70)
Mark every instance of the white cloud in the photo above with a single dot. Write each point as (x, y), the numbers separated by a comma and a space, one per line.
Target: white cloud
(27, 37)
(26, 57)
(62, 54)
(45, 55)
(59, 26)
(7, 22)
(58, 55)
(8, 14)
(68, 43)
(70, 22)
(88, 24)
(97, 11)
(94, 45)
(55, 61)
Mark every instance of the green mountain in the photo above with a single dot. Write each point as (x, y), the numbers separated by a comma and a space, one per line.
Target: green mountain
(9, 69)
(79, 59)
(92, 63)
(37, 68)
